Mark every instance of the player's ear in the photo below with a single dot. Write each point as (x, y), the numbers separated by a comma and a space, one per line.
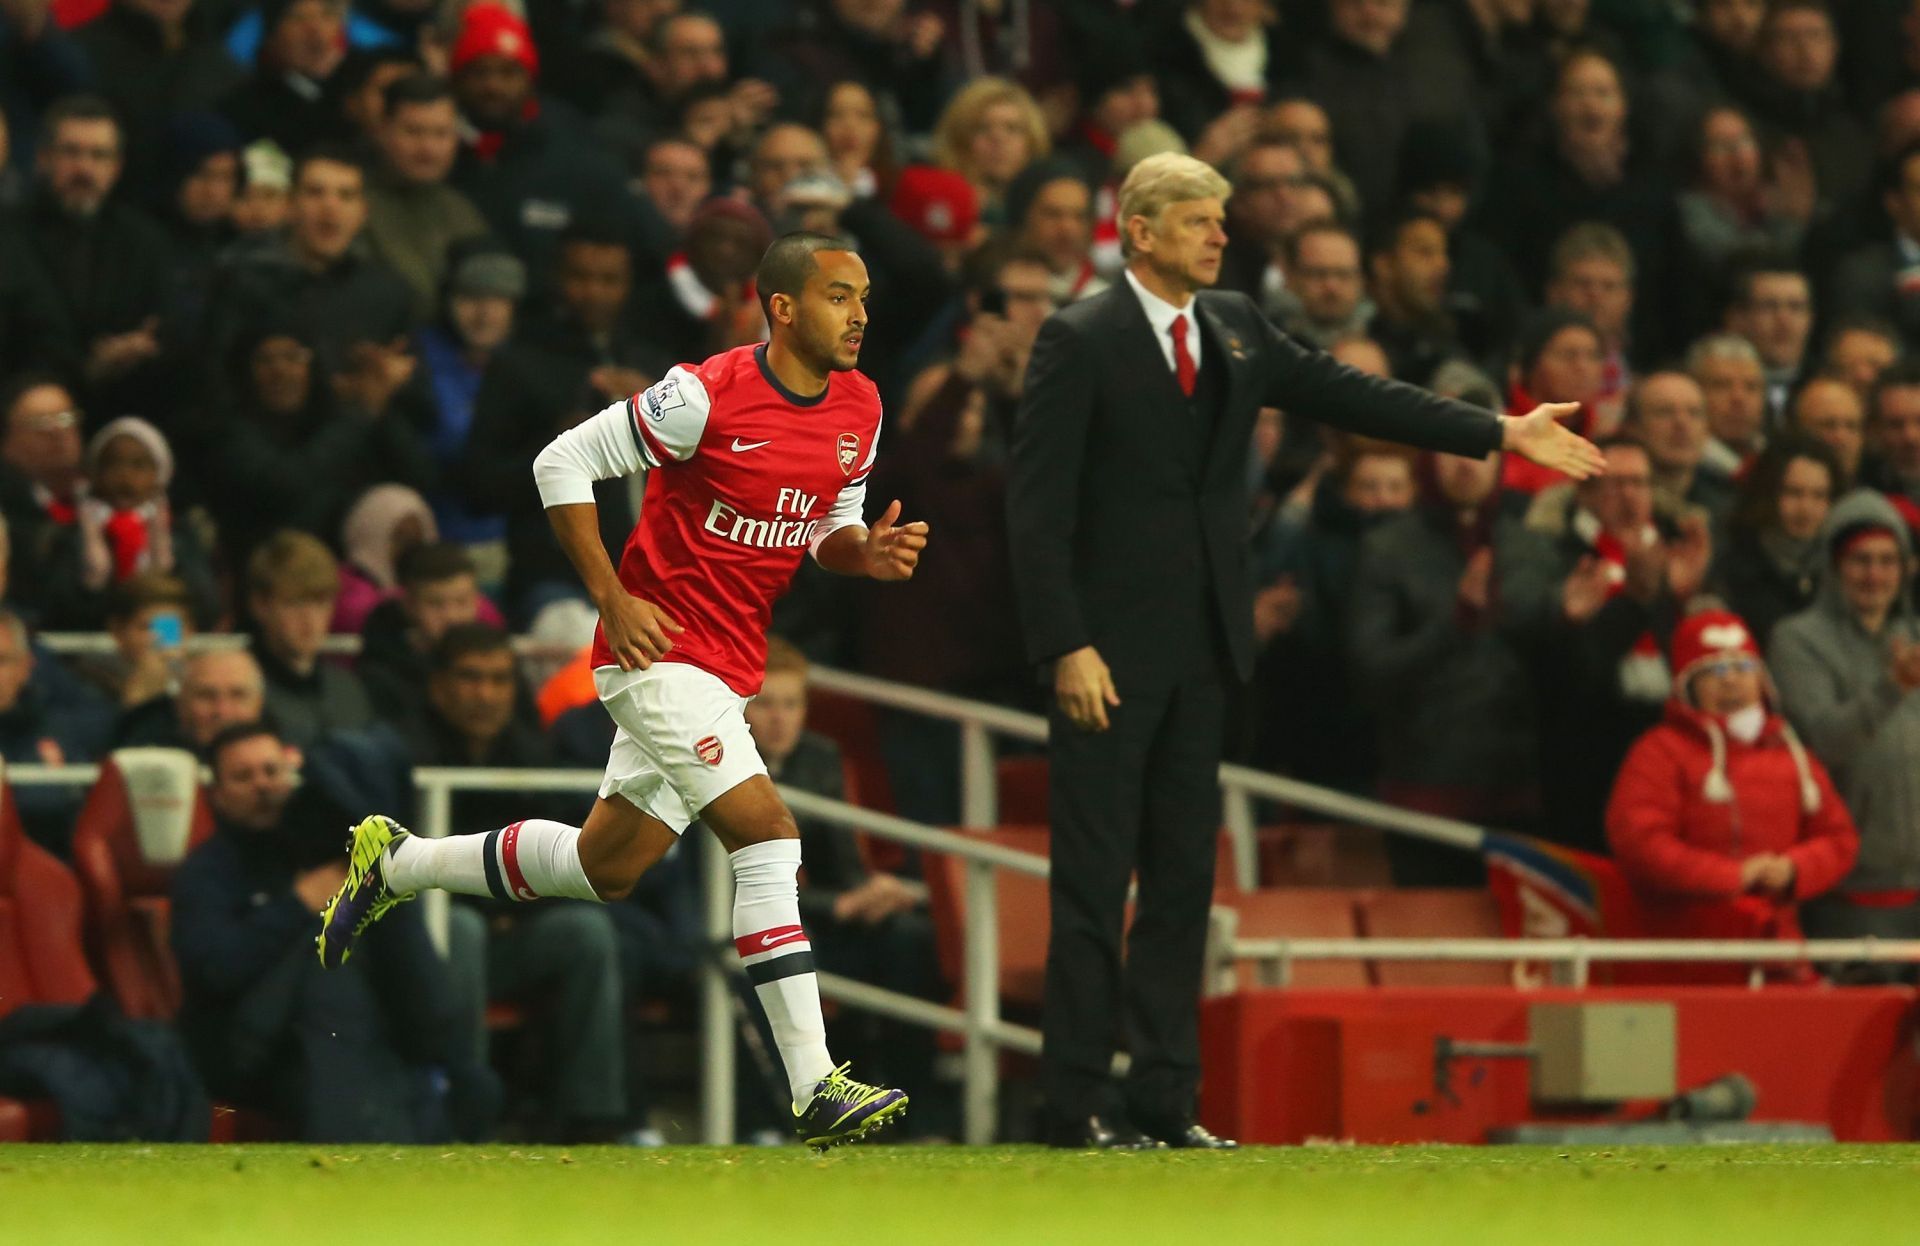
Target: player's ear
(780, 306)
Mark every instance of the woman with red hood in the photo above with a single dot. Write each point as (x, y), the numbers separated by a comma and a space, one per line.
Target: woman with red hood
(1720, 819)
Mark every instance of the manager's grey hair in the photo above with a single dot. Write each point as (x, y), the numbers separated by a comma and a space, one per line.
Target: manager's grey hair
(1162, 180)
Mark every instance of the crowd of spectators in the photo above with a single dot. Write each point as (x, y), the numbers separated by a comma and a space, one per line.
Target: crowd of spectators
(292, 291)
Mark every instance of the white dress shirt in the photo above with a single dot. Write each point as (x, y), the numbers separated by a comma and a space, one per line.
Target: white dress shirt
(1160, 315)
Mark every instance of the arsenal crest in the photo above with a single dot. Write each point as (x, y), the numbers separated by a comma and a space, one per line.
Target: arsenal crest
(709, 750)
(849, 452)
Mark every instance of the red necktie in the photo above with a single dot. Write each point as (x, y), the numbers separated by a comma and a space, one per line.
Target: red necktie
(1182, 361)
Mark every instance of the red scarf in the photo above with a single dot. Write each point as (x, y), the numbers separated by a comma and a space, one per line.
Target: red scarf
(487, 143)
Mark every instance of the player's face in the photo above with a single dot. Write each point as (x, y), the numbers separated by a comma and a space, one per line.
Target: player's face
(830, 316)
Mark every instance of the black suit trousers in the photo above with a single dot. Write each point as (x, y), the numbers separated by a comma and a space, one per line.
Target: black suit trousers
(1143, 795)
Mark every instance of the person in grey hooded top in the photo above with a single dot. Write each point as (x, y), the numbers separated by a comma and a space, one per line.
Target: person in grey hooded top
(1847, 667)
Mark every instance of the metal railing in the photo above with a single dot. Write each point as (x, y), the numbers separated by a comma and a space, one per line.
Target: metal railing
(1572, 959)
(979, 1023)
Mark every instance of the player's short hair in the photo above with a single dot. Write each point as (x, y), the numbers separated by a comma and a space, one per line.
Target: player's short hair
(789, 262)
(464, 640)
(237, 733)
(149, 589)
(1163, 180)
(416, 90)
(292, 564)
(431, 562)
(784, 657)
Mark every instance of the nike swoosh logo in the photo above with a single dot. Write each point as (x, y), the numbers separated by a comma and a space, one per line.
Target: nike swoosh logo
(739, 445)
(768, 940)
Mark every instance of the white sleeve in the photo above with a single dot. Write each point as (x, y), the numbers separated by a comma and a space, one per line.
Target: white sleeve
(661, 425)
(849, 505)
(599, 448)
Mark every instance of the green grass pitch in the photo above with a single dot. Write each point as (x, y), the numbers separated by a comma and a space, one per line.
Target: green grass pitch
(382, 1196)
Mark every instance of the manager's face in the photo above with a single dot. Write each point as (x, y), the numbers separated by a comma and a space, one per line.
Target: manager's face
(1185, 242)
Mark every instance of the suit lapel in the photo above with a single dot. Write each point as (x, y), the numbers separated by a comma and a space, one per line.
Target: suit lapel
(1138, 355)
(1228, 347)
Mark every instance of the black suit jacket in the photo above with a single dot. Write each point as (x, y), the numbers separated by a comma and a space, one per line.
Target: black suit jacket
(1118, 528)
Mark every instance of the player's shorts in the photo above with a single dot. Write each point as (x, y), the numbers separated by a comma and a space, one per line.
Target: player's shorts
(681, 740)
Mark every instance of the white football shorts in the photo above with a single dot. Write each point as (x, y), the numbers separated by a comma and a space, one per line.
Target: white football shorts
(681, 739)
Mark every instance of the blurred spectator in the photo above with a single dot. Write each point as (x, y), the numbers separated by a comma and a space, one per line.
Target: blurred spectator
(527, 162)
(351, 308)
(1358, 74)
(870, 925)
(1442, 171)
(1736, 202)
(218, 689)
(41, 727)
(701, 305)
(1049, 209)
(1591, 272)
(565, 952)
(1830, 412)
(1560, 358)
(266, 180)
(860, 145)
(477, 318)
(990, 130)
(1858, 349)
(1357, 350)
(784, 154)
(293, 453)
(675, 178)
(940, 206)
(150, 618)
(1444, 601)
(1301, 614)
(383, 524)
(1798, 98)
(616, 55)
(1868, 278)
(336, 1055)
(33, 325)
(1117, 91)
(1625, 576)
(1587, 170)
(107, 259)
(1847, 667)
(1263, 212)
(1772, 560)
(39, 63)
(154, 60)
(1728, 371)
(292, 584)
(125, 525)
(42, 470)
(1327, 287)
(1719, 819)
(1407, 277)
(293, 94)
(413, 217)
(687, 54)
(1894, 430)
(1772, 307)
(1667, 413)
(198, 183)
(364, 80)
(898, 55)
(437, 593)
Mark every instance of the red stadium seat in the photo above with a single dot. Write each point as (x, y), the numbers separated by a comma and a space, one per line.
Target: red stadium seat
(1300, 913)
(41, 957)
(1023, 918)
(1434, 913)
(1022, 784)
(137, 824)
(1309, 855)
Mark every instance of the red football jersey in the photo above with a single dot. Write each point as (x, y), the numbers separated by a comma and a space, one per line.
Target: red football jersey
(744, 477)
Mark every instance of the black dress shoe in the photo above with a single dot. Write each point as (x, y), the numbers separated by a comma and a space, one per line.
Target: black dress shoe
(1191, 1136)
(1099, 1133)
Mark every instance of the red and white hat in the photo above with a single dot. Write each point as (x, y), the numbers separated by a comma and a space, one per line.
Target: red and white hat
(1712, 636)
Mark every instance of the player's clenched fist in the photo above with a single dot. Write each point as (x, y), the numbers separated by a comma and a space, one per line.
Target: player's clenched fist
(639, 633)
(893, 552)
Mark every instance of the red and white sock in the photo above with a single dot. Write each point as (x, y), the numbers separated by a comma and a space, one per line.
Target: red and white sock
(779, 958)
(528, 860)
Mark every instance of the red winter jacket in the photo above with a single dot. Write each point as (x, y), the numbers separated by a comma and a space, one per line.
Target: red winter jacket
(1674, 842)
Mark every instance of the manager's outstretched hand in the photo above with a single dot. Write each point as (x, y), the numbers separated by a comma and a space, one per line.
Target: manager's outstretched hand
(1540, 436)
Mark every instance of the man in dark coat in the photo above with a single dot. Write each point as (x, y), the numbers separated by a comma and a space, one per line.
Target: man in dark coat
(1128, 520)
